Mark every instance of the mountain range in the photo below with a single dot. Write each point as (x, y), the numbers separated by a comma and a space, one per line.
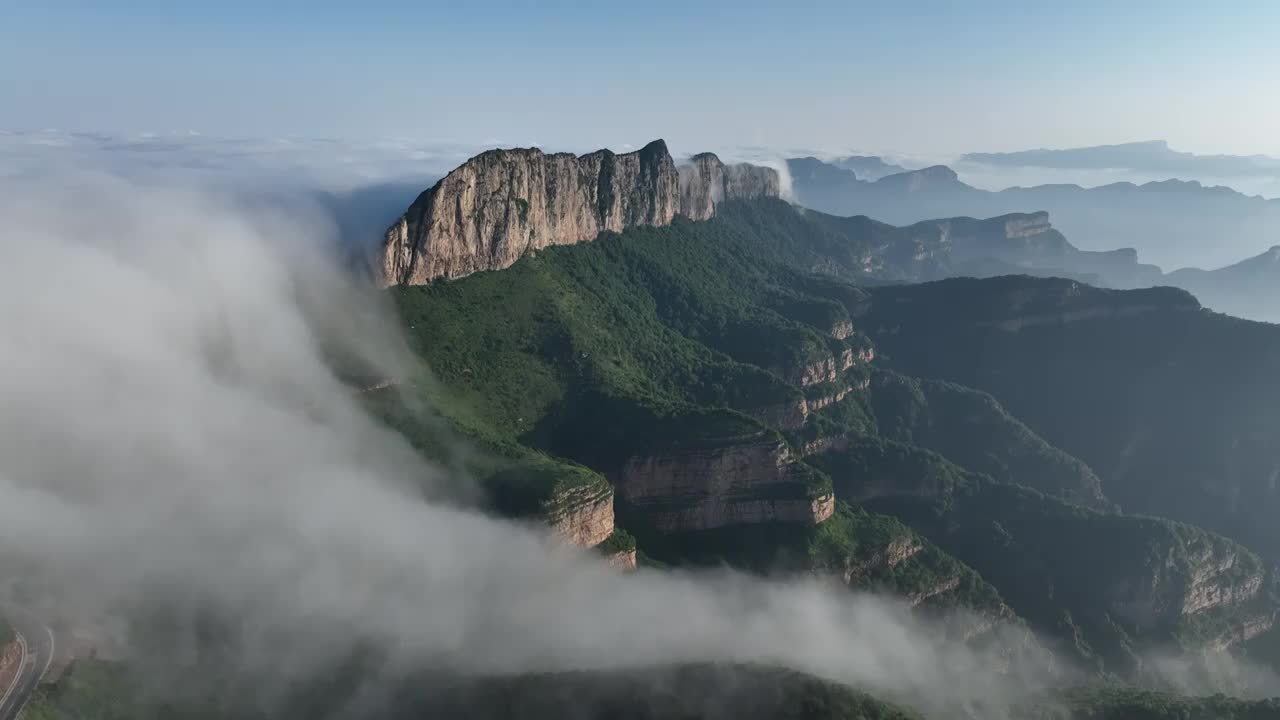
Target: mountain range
(1172, 223)
(1153, 156)
(671, 365)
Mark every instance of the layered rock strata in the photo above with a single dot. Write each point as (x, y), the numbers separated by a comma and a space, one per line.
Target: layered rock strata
(756, 481)
(501, 204)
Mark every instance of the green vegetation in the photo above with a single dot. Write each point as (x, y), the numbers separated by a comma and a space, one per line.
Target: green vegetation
(620, 541)
(105, 691)
(662, 341)
(689, 692)
(696, 336)
(874, 552)
(91, 690)
(872, 467)
(1118, 702)
(1175, 408)
(971, 429)
(1106, 585)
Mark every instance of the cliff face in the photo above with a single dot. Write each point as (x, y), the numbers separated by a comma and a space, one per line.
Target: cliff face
(501, 204)
(931, 178)
(1213, 577)
(750, 482)
(706, 182)
(584, 517)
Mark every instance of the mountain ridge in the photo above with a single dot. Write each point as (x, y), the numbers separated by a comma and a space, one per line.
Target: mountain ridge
(501, 204)
(1169, 222)
(1145, 155)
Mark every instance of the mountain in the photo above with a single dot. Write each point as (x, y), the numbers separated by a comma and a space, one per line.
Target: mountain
(692, 692)
(1250, 288)
(1019, 243)
(722, 392)
(1075, 482)
(1172, 405)
(867, 167)
(1172, 223)
(862, 250)
(738, 410)
(497, 206)
(1149, 156)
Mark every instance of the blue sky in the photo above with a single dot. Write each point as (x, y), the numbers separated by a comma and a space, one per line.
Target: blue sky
(909, 77)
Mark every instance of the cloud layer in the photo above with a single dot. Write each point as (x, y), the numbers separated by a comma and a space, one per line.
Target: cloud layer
(174, 436)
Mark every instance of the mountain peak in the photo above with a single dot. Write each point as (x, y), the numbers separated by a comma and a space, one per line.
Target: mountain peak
(489, 212)
(924, 178)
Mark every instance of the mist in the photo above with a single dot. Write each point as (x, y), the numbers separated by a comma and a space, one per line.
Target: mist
(175, 436)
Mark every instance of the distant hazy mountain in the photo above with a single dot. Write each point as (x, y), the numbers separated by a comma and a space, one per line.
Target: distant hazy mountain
(868, 167)
(1148, 156)
(1172, 223)
(1250, 288)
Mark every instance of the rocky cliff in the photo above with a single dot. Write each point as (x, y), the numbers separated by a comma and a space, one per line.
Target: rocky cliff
(706, 182)
(1028, 242)
(501, 204)
(584, 516)
(1210, 576)
(754, 481)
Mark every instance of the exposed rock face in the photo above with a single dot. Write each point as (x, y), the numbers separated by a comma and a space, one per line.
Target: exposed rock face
(792, 415)
(942, 586)
(785, 415)
(898, 551)
(501, 204)
(755, 481)
(829, 368)
(1025, 226)
(624, 560)
(584, 518)
(1217, 576)
(705, 182)
(830, 443)
(1244, 631)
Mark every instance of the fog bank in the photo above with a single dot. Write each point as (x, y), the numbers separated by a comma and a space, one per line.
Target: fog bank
(174, 436)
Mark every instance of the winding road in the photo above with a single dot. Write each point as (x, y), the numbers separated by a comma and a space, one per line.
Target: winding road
(38, 647)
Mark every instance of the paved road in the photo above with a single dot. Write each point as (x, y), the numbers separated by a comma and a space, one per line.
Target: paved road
(37, 641)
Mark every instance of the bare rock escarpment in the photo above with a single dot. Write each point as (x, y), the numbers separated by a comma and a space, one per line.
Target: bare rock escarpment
(499, 205)
(705, 182)
(754, 481)
(1213, 576)
(584, 517)
(624, 560)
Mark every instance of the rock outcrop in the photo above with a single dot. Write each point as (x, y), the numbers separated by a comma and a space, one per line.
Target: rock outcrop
(584, 517)
(624, 560)
(755, 481)
(501, 204)
(1212, 576)
(897, 551)
(705, 182)
(930, 178)
(829, 368)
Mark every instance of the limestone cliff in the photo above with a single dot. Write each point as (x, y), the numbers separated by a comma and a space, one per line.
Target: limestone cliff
(1211, 576)
(753, 481)
(706, 182)
(501, 204)
(584, 516)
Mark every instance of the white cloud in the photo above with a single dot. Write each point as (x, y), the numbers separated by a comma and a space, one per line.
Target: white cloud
(172, 434)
